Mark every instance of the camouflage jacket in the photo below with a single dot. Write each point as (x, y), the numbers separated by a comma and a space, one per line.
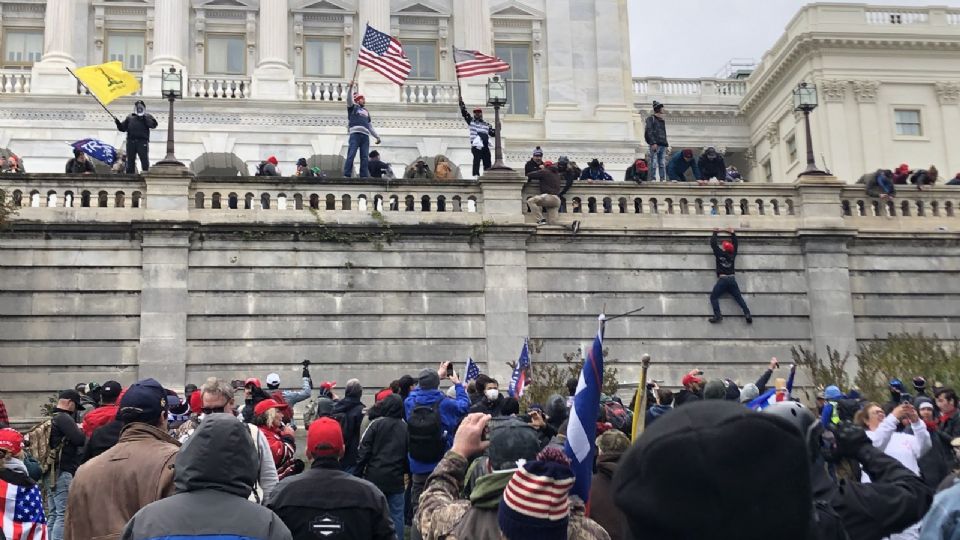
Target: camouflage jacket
(443, 515)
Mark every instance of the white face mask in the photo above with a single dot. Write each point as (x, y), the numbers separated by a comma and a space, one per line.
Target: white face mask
(492, 394)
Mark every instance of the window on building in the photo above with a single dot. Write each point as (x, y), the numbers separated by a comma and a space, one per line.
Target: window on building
(226, 55)
(768, 171)
(908, 122)
(423, 59)
(22, 47)
(323, 58)
(127, 48)
(792, 148)
(518, 78)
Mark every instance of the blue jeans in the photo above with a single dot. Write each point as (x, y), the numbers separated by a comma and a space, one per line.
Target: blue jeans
(727, 285)
(396, 504)
(361, 142)
(658, 166)
(885, 184)
(58, 505)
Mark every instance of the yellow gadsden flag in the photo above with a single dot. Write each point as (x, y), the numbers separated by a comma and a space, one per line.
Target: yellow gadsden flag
(108, 81)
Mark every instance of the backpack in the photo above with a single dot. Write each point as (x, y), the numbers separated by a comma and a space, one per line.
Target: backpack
(825, 522)
(618, 416)
(425, 433)
(316, 171)
(260, 169)
(37, 440)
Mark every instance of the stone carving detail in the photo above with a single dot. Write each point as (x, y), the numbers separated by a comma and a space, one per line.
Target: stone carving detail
(833, 90)
(866, 91)
(751, 157)
(948, 93)
(773, 133)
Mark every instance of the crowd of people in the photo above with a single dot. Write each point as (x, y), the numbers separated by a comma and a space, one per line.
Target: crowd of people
(220, 461)
(883, 183)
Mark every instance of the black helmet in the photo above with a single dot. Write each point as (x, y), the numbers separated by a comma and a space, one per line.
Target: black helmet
(801, 418)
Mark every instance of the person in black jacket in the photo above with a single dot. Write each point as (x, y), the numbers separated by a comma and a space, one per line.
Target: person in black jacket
(64, 431)
(79, 164)
(655, 135)
(383, 455)
(711, 165)
(491, 401)
(137, 126)
(349, 412)
(549, 197)
(726, 254)
(103, 438)
(535, 162)
(326, 502)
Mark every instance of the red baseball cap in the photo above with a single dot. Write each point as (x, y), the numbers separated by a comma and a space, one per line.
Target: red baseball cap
(478, 110)
(689, 379)
(11, 440)
(324, 438)
(266, 405)
(329, 385)
(727, 246)
(196, 401)
(252, 380)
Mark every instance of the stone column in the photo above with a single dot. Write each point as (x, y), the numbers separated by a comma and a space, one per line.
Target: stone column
(49, 75)
(562, 111)
(948, 93)
(373, 85)
(473, 30)
(866, 94)
(505, 298)
(170, 36)
(273, 78)
(834, 94)
(613, 73)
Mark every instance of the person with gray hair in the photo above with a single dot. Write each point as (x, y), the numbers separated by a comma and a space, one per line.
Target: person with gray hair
(349, 412)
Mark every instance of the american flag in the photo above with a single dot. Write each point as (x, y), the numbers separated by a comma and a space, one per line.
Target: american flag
(22, 513)
(472, 370)
(519, 378)
(470, 63)
(580, 445)
(384, 54)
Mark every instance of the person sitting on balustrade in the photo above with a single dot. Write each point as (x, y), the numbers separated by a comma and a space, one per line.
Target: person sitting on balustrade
(711, 165)
(680, 162)
(638, 172)
(419, 170)
(594, 171)
(922, 177)
(901, 174)
(879, 184)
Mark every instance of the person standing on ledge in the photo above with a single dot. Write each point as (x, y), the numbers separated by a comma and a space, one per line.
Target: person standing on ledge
(726, 254)
(137, 126)
(360, 129)
(480, 133)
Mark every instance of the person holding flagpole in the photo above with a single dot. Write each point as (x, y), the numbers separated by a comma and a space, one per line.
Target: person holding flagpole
(471, 63)
(361, 129)
(137, 126)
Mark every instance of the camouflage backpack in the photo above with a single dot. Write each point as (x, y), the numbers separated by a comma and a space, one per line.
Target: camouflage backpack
(37, 442)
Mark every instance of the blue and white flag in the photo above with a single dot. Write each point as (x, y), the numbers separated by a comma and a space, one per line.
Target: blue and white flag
(519, 378)
(472, 370)
(580, 445)
(97, 149)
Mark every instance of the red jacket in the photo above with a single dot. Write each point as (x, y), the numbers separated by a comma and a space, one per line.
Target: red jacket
(281, 450)
(99, 417)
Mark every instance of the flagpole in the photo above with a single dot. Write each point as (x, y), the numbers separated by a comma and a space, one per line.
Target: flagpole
(640, 404)
(93, 95)
(356, 66)
(453, 49)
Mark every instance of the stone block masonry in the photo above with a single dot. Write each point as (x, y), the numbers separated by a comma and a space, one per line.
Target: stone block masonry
(233, 277)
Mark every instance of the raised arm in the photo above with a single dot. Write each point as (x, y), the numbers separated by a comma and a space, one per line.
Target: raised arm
(464, 113)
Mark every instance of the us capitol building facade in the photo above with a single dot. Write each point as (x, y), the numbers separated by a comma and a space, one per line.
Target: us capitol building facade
(269, 77)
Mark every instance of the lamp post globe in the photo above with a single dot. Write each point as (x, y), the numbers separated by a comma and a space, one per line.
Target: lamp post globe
(805, 100)
(496, 98)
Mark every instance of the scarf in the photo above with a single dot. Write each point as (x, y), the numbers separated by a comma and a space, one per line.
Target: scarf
(488, 490)
(15, 465)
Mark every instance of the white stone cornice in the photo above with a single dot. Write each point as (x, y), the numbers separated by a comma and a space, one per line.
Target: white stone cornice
(865, 91)
(948, 93)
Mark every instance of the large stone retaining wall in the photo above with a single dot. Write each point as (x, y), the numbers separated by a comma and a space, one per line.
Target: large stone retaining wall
(177, 290)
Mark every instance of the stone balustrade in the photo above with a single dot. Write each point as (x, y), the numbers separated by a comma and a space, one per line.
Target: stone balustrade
(322, 89)
(219, 87)
(689, 91)
(14, 81)
(69, 191)
(428, 92)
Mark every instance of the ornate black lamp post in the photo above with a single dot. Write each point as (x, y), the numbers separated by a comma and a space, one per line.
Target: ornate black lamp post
(805, 99)
(171, 86)
(497, 97)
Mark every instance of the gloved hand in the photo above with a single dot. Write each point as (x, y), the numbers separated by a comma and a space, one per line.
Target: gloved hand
(117, 122)
(305, 372)
(850, 439)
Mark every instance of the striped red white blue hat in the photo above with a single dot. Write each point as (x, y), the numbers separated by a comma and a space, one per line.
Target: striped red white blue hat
(535, 503)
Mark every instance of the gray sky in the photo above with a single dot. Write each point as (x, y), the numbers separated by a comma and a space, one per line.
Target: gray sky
(698, 37)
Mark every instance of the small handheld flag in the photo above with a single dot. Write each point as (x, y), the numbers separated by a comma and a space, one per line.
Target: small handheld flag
(519, 378)
(580, 445)
(472, 370)
(471, 63)
(107, 81)
(97, 149)
(384, 54)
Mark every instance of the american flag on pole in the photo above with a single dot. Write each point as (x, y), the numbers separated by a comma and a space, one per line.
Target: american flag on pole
(470, 63)
(472, 370)
(519, 378)
(580, 445)
(384, 54)
(22, 513)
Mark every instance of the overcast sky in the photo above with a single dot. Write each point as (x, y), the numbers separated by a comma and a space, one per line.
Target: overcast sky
(696, 38)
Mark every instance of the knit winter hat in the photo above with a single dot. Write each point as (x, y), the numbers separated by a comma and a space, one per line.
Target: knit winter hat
(535, 504)
(687, 153)
(272, 159)
(537, 152)
(714, 390)
(727, 246)
(302, 162)
(832, 392)
(674, 482)
(749, 393)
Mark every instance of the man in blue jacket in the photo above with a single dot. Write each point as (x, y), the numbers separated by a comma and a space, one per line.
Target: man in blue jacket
(451, 410)
(678, 164)
(360, 129)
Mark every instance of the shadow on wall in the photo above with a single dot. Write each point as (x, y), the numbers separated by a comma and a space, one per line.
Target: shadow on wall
(219, 164)
(330, 165)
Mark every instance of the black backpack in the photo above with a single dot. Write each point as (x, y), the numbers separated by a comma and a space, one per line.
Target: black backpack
(260, 169)
(425, 433)
(825, 523)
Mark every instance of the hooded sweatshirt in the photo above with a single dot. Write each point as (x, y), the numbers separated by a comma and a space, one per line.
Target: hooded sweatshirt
(349, 412)
(215, 473)
(383, 447)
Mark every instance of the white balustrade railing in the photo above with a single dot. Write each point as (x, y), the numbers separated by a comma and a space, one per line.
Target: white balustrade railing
(428, 92)
(640, 86)
(322, 90)
(732, 88)
(909, 202)
(14, 81)
(219, 87)
(896, 16)
(693, 91)
(680, 87)
(24, 191)
(953, 17)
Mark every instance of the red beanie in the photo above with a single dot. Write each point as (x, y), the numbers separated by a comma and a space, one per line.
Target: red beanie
(382, 394)
(272, 159)
(727, 246)
(324, 438)
(196, 401)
